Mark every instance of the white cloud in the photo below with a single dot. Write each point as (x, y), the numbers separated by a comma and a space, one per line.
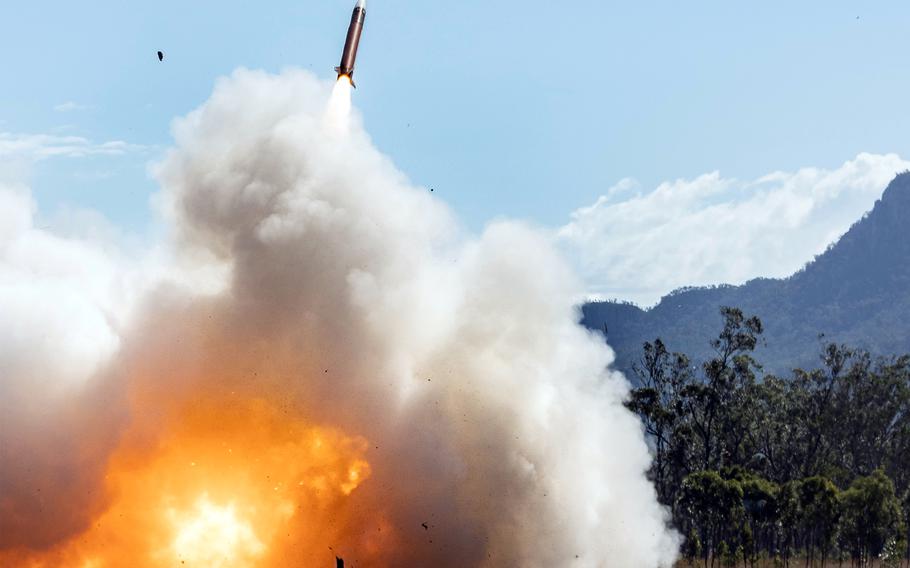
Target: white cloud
(638, 245)
(36, 147)
(69, 106)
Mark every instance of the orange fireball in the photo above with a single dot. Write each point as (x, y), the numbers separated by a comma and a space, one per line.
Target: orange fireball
(226, 484)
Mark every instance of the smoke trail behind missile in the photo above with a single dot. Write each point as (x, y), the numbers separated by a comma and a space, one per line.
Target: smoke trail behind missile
(357, 376)
(338, 110)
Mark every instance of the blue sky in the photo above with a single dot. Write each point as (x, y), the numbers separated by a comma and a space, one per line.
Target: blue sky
(529, 110)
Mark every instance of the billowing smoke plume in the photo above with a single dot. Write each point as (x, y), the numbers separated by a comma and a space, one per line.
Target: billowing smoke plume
(328, 366)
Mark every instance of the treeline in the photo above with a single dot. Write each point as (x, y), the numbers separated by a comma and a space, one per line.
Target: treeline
(763, 469)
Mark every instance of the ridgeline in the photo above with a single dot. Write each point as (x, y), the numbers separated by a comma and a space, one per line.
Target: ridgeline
(857, 293)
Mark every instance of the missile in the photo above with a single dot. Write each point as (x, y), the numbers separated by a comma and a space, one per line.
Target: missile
(349, 55)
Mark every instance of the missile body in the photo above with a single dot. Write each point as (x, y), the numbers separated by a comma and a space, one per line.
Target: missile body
(349, 55)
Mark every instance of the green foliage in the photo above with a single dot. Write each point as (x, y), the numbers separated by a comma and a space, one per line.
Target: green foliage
(760, 499)
(789, 515)
(692, 547)
(659, 404)
(715, 507)
(730, 557)
(819, 513)
(751, 467)
(872, 516)
(893, 554)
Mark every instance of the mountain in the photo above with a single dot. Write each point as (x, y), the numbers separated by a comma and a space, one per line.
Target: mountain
(857, 292)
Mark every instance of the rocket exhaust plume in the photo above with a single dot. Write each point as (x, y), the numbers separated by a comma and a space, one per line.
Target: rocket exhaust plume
(337, 119)
(317, 362)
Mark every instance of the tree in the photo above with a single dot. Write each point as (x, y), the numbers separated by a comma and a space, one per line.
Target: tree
(906, 506)
(658, 402)
(819, 515)
(714, 506)
(760, 504)
(871, 516)
(869, 407)
(772, 432)
(789, 517)
(813, 398)
(692, 547)
(715, 405)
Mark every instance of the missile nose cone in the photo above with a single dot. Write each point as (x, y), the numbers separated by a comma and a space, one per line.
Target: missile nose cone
(362, 4)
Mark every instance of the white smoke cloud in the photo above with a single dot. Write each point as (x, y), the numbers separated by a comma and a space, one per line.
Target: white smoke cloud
(638, 245)
(356, 296)
(61, 298)
(63, 303)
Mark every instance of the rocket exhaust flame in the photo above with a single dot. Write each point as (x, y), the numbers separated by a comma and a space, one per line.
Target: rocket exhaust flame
(323, 365)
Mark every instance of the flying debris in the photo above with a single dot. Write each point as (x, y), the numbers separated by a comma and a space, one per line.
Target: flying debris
(160, 56)
(349, 55)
